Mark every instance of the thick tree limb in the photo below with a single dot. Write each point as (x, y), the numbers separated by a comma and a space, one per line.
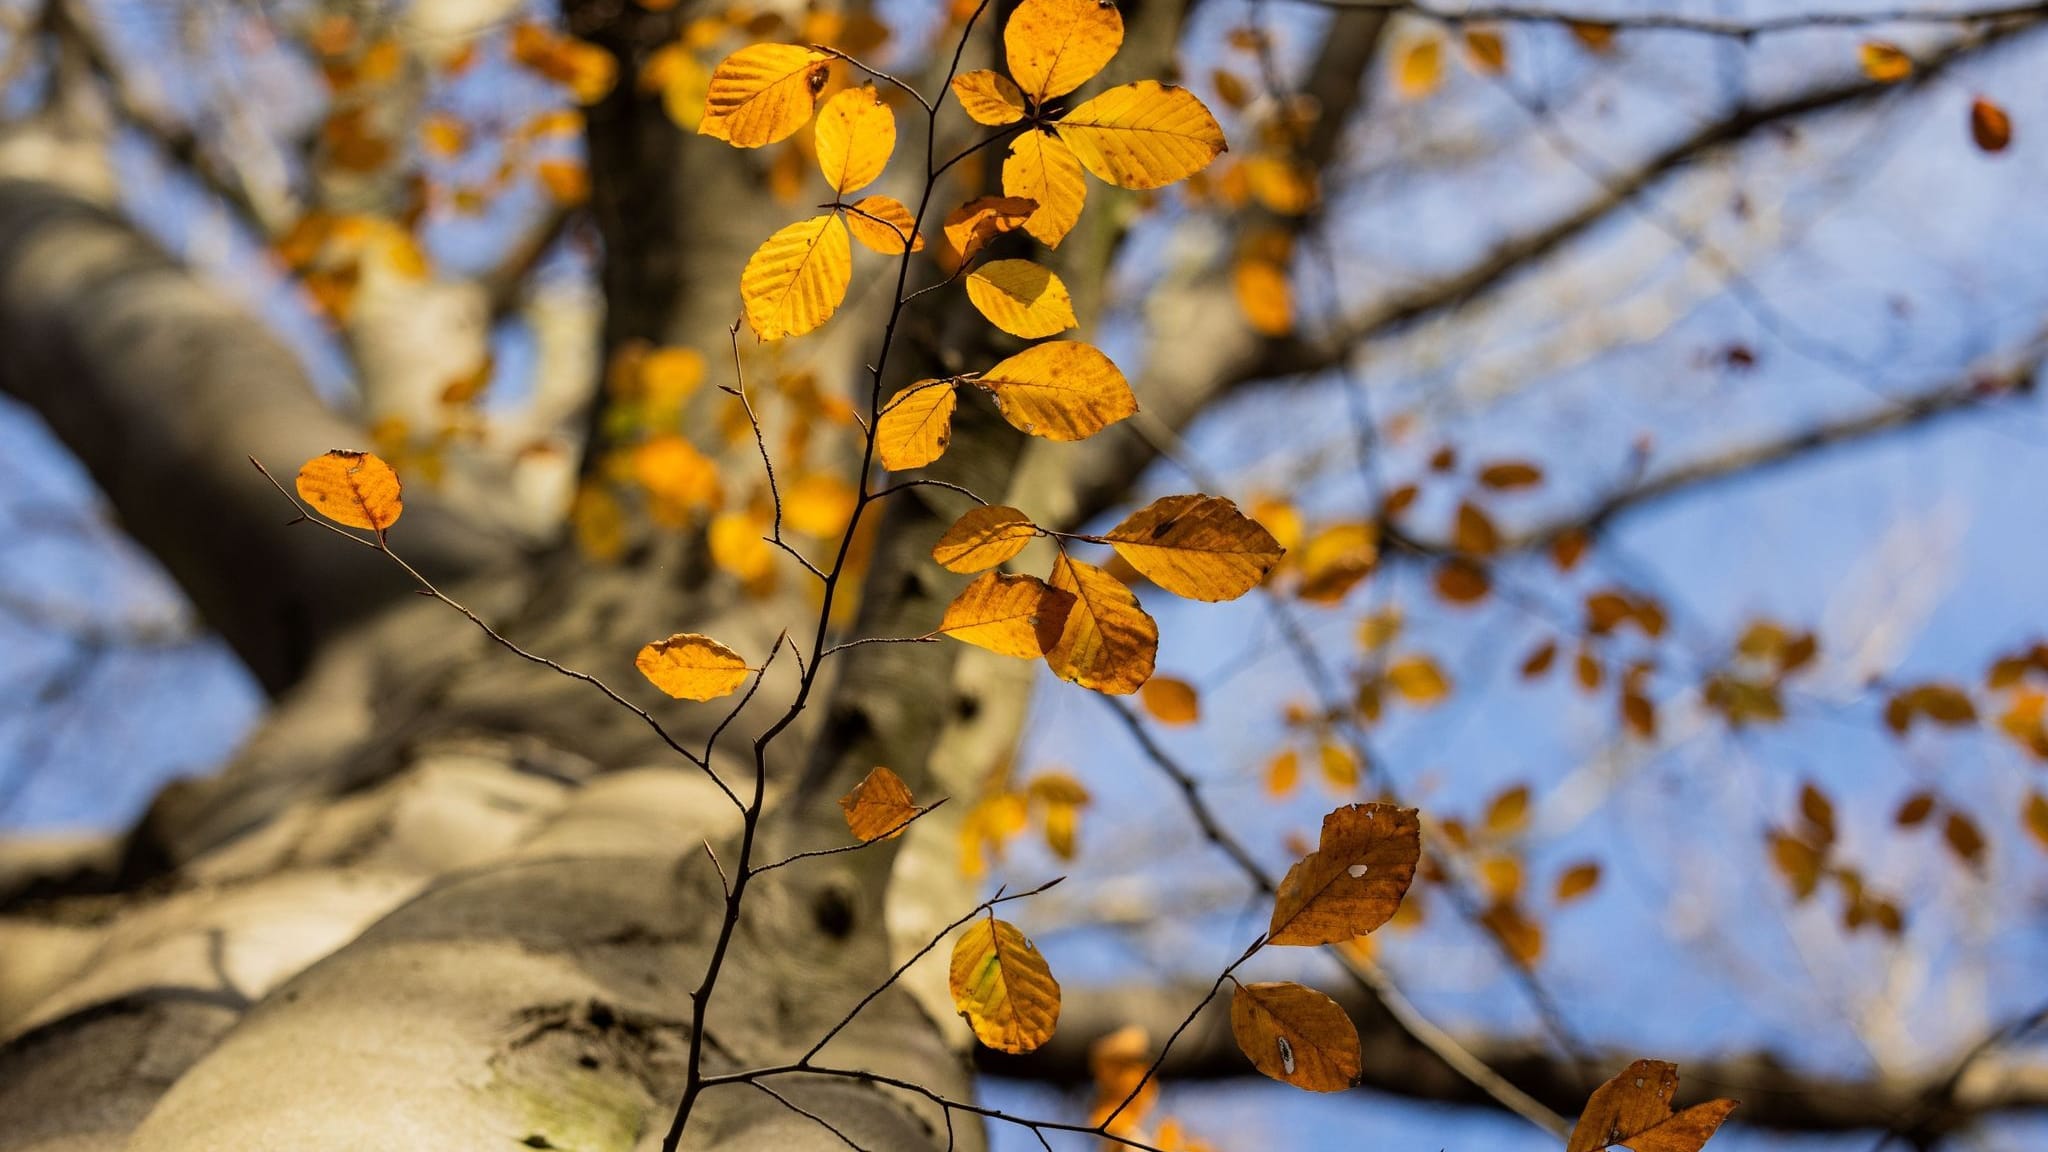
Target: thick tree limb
(163, 387)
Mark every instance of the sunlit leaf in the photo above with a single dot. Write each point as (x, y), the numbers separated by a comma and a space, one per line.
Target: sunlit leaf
(1419, 67)
(1296, 1035)
(1171, 700)
(984, 537)
(1109, 642)
(797, 279)
(1200, 547)
(878, 807)
(1022, 298)
(1011, 615)
(1283, 772)
(988, 97)
(1041, 168)
(1060, 390)
(916, 425)
(984, 218)
(763, 93)
(1003, 987)
(1884, 62)
(688, 666)
(881, 223)
(353, 488)
(1418, 679)
(1142, 135)
(1354, 880)
(1634, 1109)
(1055, 46)
(1264, 295)
(855, 137)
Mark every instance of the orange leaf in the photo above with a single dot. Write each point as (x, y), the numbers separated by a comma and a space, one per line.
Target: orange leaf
(1296, 1035)
(1010, 615)
(878, 807)
(1142, 135)
(1885, 62)
(916, 425)
(1354, 880)
(1060, 390)
(881, 223)
(1109, 642)
(1200, 547)
(1634, 1109)
(984, 537)
(1171, 700)
(855, 136)
(1041, 168)
(1577, 881)
(989, 97)
(763, 93)
(1990, 127)
(797, 278)
(1003, 986)
(982, 219)
(352, 488)
(1022, 298)
(688, 666)
(1055, 46)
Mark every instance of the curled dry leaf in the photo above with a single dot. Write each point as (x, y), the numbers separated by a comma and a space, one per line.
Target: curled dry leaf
(1200, 547)
(1143, 135)
(1022, 298)
(1011, 615)
(1296, 1035)
(763, 93)
(882, 223)
(797, 278)
(855, 137)
(1634, 1109)
(916, 425)
(1055, 46)
(984, 218)
(1109, 643)
(354, 488)
(688, 666)
(984, 537)
(1042, 169)
(989, 97)
(1003, 987)
(878, 807)
(1354, 880)
(1060, 390)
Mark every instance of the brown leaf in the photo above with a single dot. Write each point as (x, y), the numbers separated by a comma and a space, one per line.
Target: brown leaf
(878, 807)
(1296, 1035)
(1990, 127)
(1634, 1109)
(1577, 881)
(1109, 642)
(1354, 880)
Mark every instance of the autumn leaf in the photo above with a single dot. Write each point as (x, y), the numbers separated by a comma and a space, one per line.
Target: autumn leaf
(1200, 547)
(1577, 881)
(1354, 880)
(1003, 987)
(1487, 50)
(1418, 679)
(1109, 642)
(1171, 700)
(984, 537)
(1990, 127)
(984, 218)
(688, 666)
(1042, 169)
(1061, 797)
(1055, 46)
(1296, 1035)
(1060, 390)
(763, 93)
(1283, 772)
(797, 279)
(881, 223)
(989, 97)
(1022, 298)
(878, 807)
(1634, 1109)
(916, 425)
(353, 488)
(1142, 135)
(1508, 812)
(1419, 67)
(855, 136)
(1509, 474)
(1264, 296)
(1884, 62)
(1010, 615)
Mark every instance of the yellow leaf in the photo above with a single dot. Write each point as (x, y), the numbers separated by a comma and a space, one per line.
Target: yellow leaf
(763, 93)
(1634, 1109)
(1003, 987)
(1171, 700)
(1418, 680)
(1354, 880)
(1265, 296)
(588, 70)
(881, 223)
(668, 376)
(1885, 62)
(1055, 46)
(1142, 135)
(878, 807)
(1063, 798)
(1577, 881)
(1285, 187)
(819, 505)
(1487, 50)
(1338, 766)
(982, 219)
(1021, 298)
(1508, 812)
(916, 425)
(988, 97)
(692, 667)
(567, 181)
(352, 488)
(1041, 168)
(1419, 70)
(684, 83)
(797, 279)
(1335, 559)
(678, 478)
(443, 135)
(984, 537)
(1295, 1035)
(1009, 615)
(1109, 642)
(855, 137)
(1283, 772)
(1200, 547)
(1061, 390)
